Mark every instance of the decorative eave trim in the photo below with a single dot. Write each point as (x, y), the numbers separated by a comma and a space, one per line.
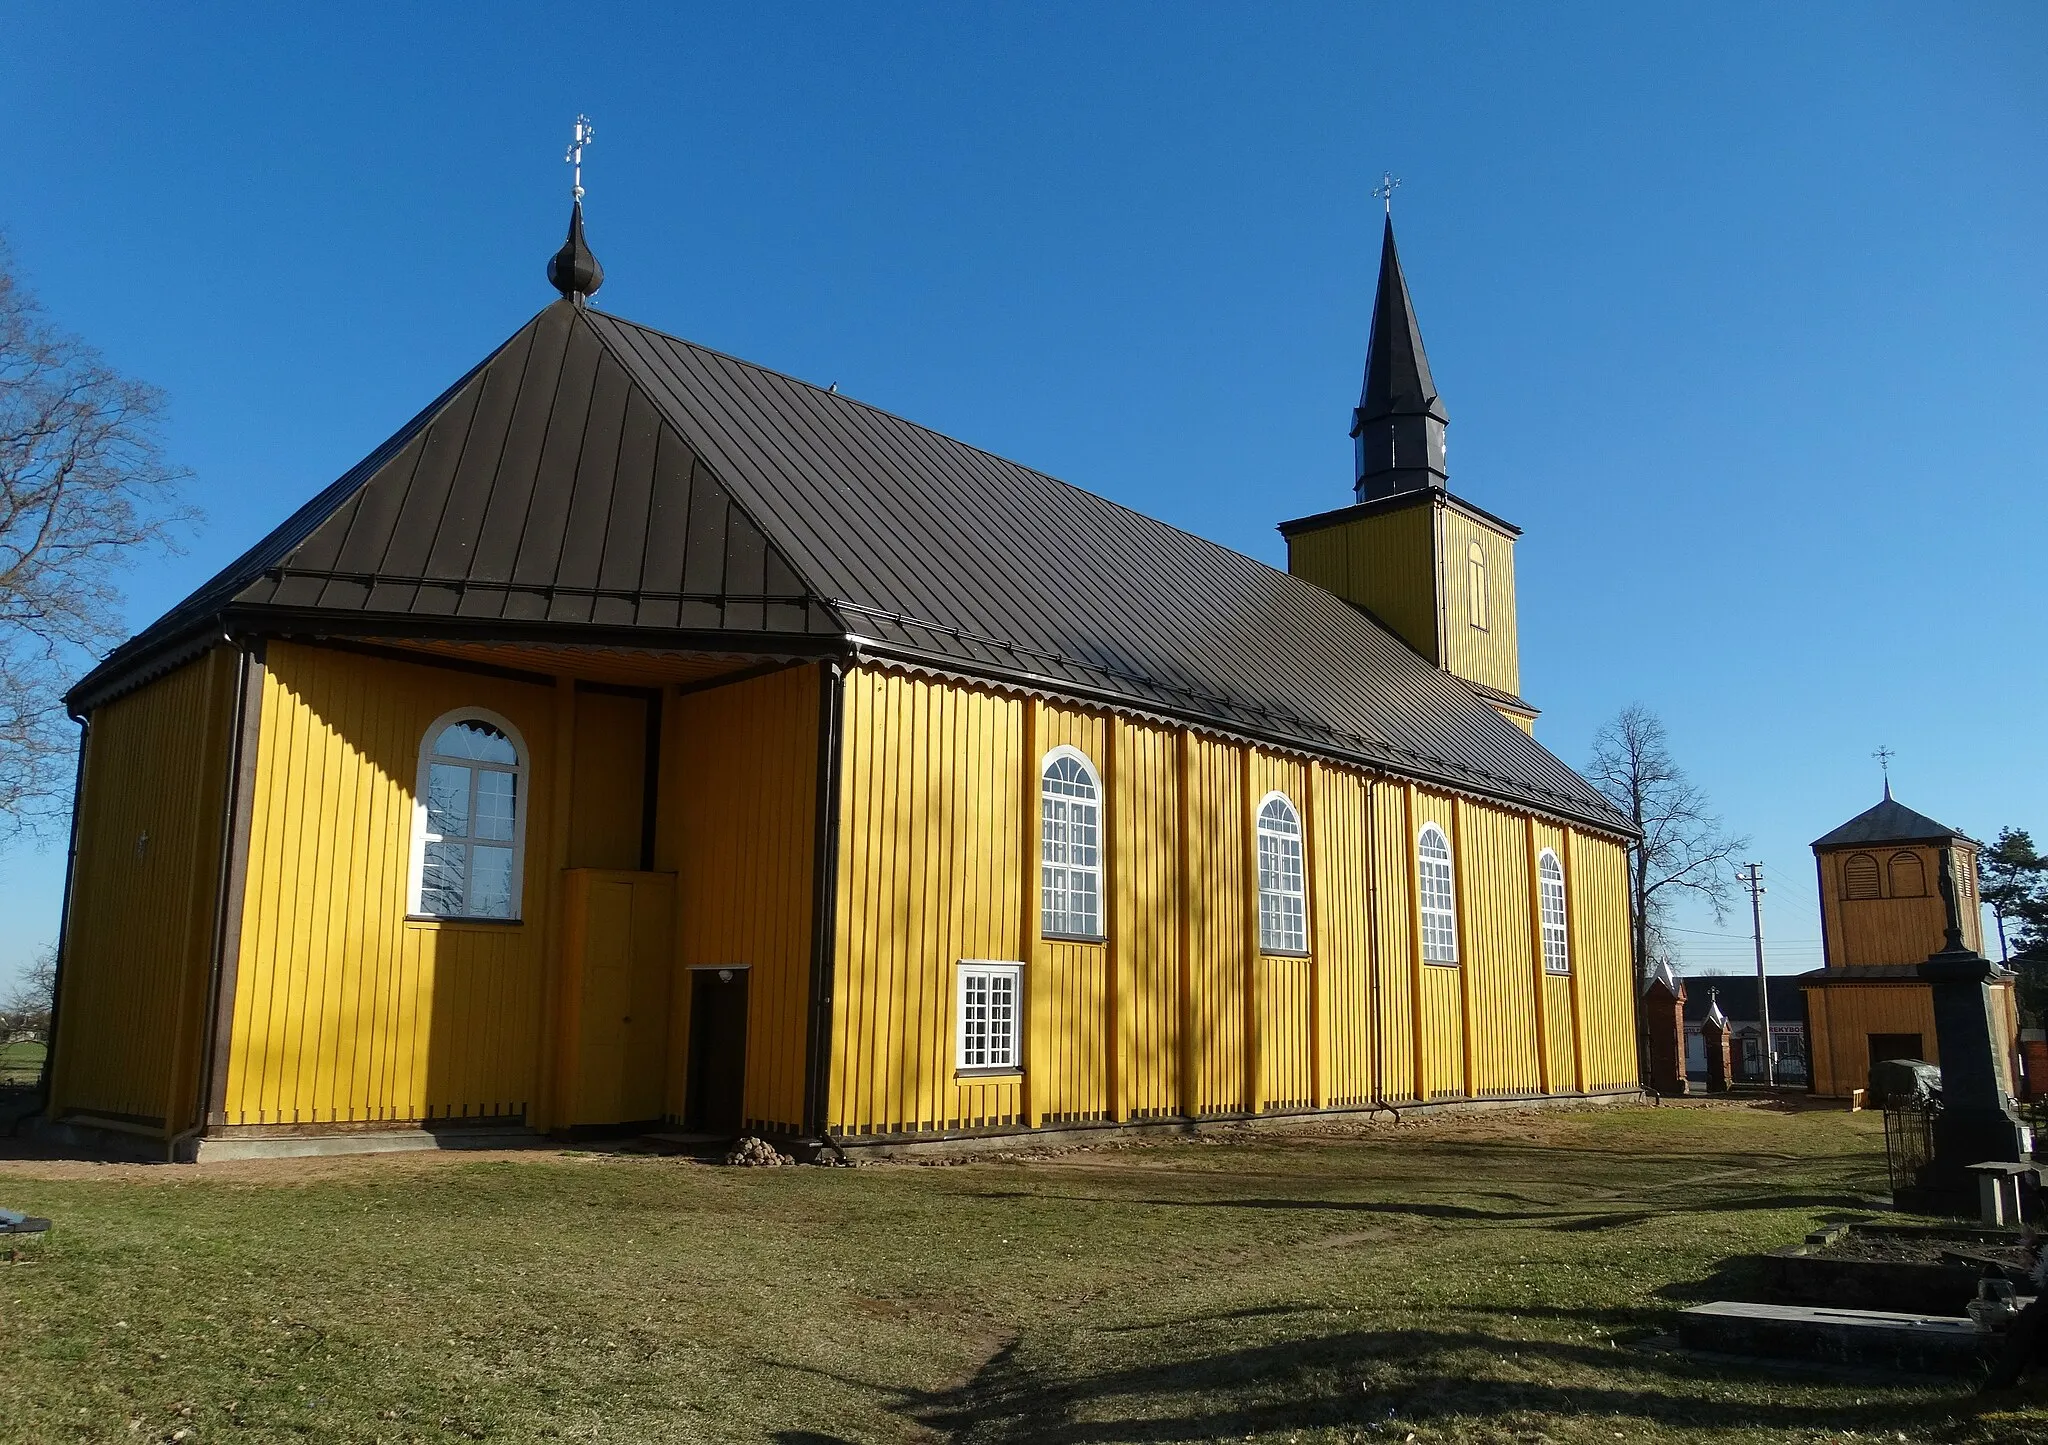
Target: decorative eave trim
(1398, 502)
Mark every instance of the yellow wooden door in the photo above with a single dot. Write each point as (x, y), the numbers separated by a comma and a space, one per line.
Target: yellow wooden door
(607, 1000)
(622, 944)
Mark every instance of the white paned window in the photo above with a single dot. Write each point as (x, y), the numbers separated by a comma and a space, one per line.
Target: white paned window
(1439, 898)
(469, 819)
(1557, 949)
(1071, 846)
(1283, 894)
(990, 994)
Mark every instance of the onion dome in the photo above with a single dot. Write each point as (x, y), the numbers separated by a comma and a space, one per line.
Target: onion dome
(573, 271)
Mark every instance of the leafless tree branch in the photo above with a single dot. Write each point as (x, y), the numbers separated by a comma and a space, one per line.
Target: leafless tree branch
(1685, 849)
(84, 490)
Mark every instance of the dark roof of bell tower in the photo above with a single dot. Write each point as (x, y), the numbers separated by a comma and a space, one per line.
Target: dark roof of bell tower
(1397, 379)
(1889, 822)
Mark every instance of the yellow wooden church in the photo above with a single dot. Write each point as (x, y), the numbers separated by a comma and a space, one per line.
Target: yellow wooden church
(641, 736)
(1882, 914)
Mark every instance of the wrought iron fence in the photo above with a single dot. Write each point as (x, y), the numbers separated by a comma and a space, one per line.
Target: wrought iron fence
(1908, 1141)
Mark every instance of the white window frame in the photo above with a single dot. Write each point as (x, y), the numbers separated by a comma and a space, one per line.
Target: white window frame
(522, 798)
(1439, 942)
(1476, 564)
(1283, 880)
(1556, 921)
(1059, 814)
(990, 1052)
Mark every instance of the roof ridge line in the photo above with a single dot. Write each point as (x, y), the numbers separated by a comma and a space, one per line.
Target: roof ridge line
(903, 420)
(782, 543)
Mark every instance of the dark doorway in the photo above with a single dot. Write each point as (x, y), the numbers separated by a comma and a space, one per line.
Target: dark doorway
(1893, 1046)
(718, 1050)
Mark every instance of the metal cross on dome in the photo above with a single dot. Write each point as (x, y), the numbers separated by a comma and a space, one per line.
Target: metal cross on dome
(1384, 191)
(581, 137)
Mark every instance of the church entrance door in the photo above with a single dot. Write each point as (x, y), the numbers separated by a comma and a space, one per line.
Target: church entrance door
(716, 1102)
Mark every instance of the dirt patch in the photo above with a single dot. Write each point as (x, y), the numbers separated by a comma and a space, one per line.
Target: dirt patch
(1883, 1246)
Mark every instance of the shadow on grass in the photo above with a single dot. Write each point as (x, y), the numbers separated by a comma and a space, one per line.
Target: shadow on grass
(1359, 1378)
(1557, 1217)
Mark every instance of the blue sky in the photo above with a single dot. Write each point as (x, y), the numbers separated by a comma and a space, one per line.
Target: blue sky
(1740, 310)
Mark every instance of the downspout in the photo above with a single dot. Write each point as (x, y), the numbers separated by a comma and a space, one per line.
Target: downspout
(49, 1072)
(224, 897)
(824, 904)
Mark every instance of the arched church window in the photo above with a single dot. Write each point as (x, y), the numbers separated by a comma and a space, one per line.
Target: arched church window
(1438, 894)
(1557, 955)
(1908, 876)
(1070, 846)
(469, 818)
(1859, 876)
(1283, 888)
(1475, 582)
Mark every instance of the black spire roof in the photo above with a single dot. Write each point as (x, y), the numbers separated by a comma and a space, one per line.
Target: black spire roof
(573, 270)
(1399, 424)
(1889, 822)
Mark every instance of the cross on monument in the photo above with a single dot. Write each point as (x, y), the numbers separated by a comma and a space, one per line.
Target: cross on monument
(1384, 191)
(581, 137)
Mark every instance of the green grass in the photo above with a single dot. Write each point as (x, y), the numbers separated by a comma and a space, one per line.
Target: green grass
(20, 1062)
(1488, 1280)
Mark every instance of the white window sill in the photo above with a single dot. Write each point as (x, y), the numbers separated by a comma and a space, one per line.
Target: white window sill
(1002, 1074)
(1096, 938)
(463, 918)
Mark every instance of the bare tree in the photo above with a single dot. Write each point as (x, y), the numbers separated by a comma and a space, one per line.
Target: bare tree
(25, 1011)
(84, 490)
(1684, 848)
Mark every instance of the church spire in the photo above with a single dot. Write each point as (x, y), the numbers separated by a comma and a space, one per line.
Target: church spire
(1399, 424)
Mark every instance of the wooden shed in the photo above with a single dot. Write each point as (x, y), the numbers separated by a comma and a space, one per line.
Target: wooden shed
(642, 737)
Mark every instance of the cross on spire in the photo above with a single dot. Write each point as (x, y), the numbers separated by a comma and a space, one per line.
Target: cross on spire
(582, 136)
(1884, 756)
(1384, 191)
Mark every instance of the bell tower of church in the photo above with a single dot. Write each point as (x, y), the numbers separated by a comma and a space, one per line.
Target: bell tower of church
(1432, 568)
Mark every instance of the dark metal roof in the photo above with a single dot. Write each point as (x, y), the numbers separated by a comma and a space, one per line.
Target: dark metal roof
(1888, 822)
(1736, 993)
(598, 476)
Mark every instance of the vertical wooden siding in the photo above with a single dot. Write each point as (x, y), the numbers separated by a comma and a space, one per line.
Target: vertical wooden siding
(1385, 563)
(1596, 883)
(1217, 952)
(931, 872)
(1178, 1012)
(138, 958)
(1144, 916)
(1892, 928)
(1842, 1019)
(739, 798)
(1490, 654)
(1497, 966)
(345, 1010)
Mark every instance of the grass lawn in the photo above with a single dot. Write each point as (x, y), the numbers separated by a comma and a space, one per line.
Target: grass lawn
(1488, 1279)
(20, 1062)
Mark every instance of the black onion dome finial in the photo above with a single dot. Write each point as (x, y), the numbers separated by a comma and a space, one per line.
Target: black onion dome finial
(573, 271)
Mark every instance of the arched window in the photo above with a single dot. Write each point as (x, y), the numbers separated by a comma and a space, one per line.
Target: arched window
(1859, 876)
(1070, 846)
(1557, 954)
(1475, 582)
(1283, 889)
(469, 818)
(1908, 876)
(1439, 898)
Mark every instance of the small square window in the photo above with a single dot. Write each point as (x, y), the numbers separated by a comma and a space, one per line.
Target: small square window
(990, 995)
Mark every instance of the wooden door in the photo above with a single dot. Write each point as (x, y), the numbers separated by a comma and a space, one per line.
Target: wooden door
(716, 1102)
(618, 947)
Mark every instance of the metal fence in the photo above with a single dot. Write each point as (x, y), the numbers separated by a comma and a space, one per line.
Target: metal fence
(1908, 1141)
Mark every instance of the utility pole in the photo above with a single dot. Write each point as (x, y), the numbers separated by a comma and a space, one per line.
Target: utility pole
(1752, 878)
